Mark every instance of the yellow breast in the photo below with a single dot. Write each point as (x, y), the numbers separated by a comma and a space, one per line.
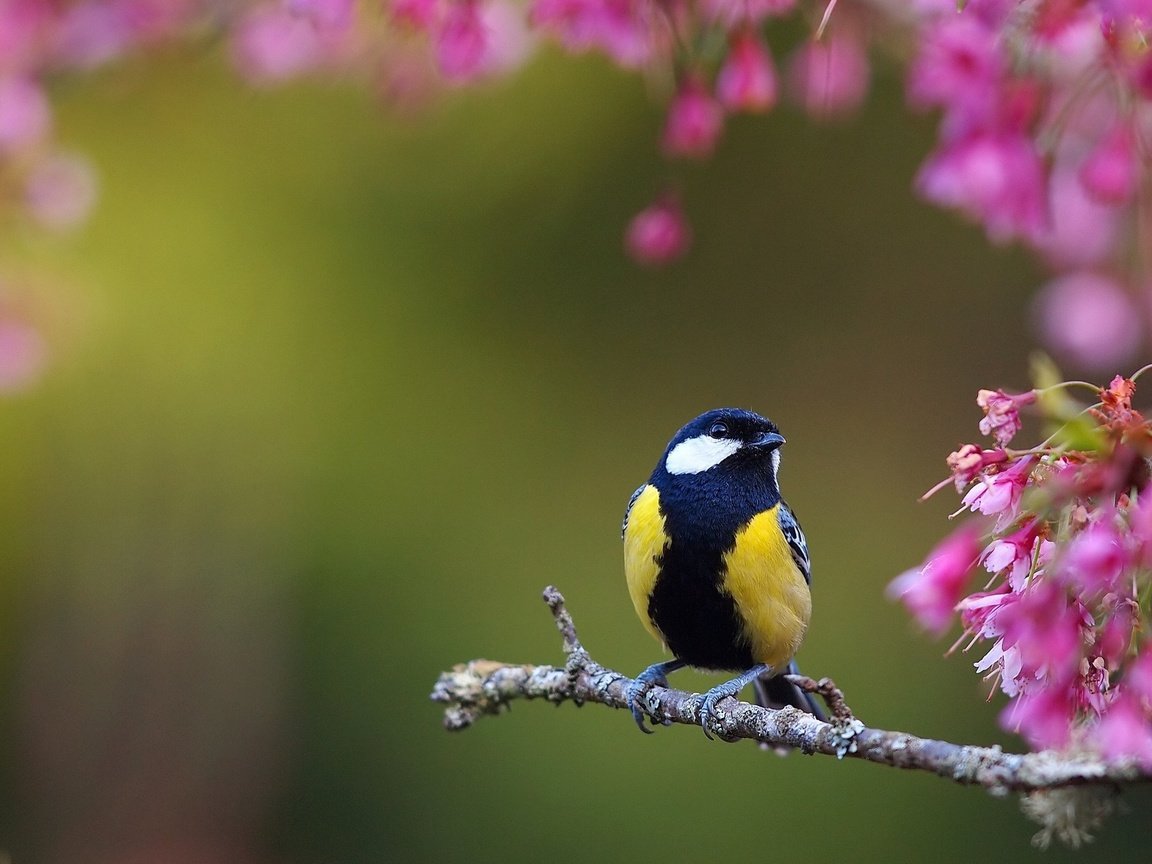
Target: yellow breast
(770, 592)
(644, 542)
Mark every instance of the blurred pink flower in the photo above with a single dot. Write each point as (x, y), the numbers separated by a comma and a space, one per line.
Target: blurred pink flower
(462, 41)
(1095, 558)
(510, 43)
(1044, 717)
(1125, 731)
(272, 45)
(734, 13)
(91, 33)
(1115, 636)
(1080, 231)
(1138, 676)
(1046, 628)
(325, 15)
(932, 590)
(60, 191)
(1111, 172)
(1088, 320)
(747, 80)
(694, 123)
(958, 65)
(420, 15)
(996, 178)
(659, 233)
(25, 117)
(829, 77)
(23, 355)
(24, 31)
(619, 28)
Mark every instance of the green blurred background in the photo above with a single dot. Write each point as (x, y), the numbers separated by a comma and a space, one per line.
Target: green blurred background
(334, 395)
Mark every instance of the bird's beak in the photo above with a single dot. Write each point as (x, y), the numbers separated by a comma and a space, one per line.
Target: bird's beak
(769, 441)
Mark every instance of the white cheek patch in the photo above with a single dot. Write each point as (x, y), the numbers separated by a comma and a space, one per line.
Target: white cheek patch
(775, 462)
(699, 454)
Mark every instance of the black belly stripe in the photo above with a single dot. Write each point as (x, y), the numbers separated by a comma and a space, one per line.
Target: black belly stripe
(699, 623)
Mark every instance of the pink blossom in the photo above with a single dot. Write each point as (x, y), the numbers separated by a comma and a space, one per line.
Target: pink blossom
(932, 590)
(1044, 717)
(60, 191)
(1008, 666)
(1111, 172)
(967, 462)
(25, 29)
(999, 494)
(695, 121)
(1079, 231)
(1095, 558)
(620, 28)
(978, 611)
(994, 177)
(1046, 627)
(1089, 320)
(1125, 731)
(659, 233)
(91, 33)
(829, 77)
(420, 15)
(958, 66)
(272, 45)
(1140, 525)
(23, 354)
(510, 43)
(734, 13)
(1138, 676)
(1115, 636)
(25, 117)
(747, 80)
(1002, 413)
(325, 15)
(462, 41)
(1014, 554)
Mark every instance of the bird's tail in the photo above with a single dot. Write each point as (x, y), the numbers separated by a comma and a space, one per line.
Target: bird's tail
(778, 691)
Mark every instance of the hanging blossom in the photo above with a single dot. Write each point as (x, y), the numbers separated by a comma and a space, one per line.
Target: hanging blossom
(1050, 579)
(1045, 106)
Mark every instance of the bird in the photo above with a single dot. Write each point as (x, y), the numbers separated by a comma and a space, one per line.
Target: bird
(717, 564)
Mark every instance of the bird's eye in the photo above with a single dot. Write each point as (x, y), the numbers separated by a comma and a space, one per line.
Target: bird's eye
(718, 430)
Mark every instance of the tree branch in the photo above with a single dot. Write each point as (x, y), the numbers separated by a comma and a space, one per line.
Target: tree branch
(471, 690)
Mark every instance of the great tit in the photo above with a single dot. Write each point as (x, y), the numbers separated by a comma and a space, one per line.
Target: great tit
(717, 565)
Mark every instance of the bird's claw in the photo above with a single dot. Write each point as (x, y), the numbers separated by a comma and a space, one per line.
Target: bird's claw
(636, 692)
(708, 705)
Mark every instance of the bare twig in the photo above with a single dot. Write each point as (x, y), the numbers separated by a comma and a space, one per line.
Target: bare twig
(471, 690)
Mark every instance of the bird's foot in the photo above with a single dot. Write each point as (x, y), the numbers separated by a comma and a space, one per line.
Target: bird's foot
(709, 701)
(655, 675)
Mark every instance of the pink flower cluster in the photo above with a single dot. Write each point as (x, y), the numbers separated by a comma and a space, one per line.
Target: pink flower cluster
(1061, 555)
(1046, 110)
(1045, 106)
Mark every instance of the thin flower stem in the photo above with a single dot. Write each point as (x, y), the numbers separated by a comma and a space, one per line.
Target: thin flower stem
(825, 19)
(1140, 372)
(1063, 385)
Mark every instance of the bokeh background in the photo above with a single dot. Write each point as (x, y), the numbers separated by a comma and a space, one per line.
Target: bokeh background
(334, 394)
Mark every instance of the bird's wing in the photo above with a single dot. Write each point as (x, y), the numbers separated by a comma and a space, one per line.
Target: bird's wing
(628, 510)
(797, 542)
(644, 543)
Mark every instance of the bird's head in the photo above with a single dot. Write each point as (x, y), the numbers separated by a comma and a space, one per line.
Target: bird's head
(724, 440)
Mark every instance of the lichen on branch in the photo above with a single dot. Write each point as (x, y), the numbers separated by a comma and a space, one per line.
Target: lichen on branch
(478, 688)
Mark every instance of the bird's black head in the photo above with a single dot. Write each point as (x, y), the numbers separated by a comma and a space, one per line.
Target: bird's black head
(724, 440)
